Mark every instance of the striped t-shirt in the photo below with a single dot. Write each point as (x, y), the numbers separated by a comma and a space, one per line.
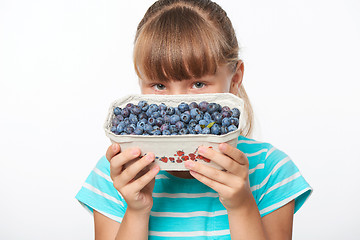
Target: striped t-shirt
(186, 208)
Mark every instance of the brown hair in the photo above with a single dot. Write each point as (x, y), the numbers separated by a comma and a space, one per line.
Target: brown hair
(185, 39)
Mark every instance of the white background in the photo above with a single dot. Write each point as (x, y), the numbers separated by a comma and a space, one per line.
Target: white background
(63, 62)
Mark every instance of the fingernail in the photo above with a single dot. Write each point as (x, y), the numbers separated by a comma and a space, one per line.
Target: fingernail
(113, 146)
(149, 157)
(201, 150)
(189, 164)
(135, 152)
(222, 146)
(155, 168)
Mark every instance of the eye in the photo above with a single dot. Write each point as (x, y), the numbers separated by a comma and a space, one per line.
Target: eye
(159, 86)
(199, 85)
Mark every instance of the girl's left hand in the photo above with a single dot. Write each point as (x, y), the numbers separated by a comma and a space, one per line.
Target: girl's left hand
(233, 184)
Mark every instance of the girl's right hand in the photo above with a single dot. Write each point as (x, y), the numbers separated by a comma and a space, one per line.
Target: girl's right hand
(129, 177)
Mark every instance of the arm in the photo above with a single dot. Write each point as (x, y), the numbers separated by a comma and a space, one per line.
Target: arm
(234, 193)
(135, 184)
(133, 226)
(276, 225)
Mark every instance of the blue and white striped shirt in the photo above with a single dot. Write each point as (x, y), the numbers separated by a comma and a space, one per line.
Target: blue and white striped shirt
(186, 208)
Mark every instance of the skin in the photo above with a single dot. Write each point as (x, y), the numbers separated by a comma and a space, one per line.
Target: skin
(136, 181)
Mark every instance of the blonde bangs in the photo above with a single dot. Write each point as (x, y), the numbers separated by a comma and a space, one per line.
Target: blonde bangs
(178, 44)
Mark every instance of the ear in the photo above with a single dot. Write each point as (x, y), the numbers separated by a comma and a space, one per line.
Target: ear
(237, 78)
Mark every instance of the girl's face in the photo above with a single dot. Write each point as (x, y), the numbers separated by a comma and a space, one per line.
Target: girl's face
(222, 81)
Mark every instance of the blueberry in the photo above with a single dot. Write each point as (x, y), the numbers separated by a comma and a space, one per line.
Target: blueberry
(125, 112)
(143, 115)
(143, 105)
(225, 109)
(193, 105)
(167, 118)
(170, 111)
(115, 122)
(162, 113)
(191, 130)
(159, 121)
(120, 118)
(215, 129)
(156, 132)
(185, 117)
(177, 111)
(183, 107)
(166, 132)
(192, 123)
(156, 127)
(234, 121)
(129, 106)
(135, 110)
(203, 106)
(226, 122)
(140, 125)
(183, 131)
(194, 112)
(203, 123)
(113, 129)
(235, 113)
(149, 112)
(129, 129)
(155, 114)
(154, 107)
(126, 122)
(174, 119)
(179, 125)
(151, 121)
(205, 131)
(224, 130)
(117, 111)
(217, 117)
(198, 129)
(133, 119)
(199, 117)
(164, 127)
(212, 107)
(139, 131)
(162, 107)
(232, 128)
(148, 128)
(226, 114)
(173, 129)
(144, 120)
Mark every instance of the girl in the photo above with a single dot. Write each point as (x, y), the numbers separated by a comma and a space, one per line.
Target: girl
(188, 47)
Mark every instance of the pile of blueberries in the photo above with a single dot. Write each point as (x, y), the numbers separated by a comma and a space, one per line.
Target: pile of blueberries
(193, 118)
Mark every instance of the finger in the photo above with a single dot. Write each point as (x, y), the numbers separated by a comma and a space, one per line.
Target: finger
(134, 169)
(218, 187)
(118, 161)
(144, 180)
(234, 153)
(112, 150)
(222, 160)
(211, 173)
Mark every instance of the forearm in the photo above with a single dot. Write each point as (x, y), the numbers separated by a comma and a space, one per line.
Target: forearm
(134, 226)
(245, 223)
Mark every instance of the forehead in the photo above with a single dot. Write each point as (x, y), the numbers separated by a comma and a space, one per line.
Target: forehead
(223, 73)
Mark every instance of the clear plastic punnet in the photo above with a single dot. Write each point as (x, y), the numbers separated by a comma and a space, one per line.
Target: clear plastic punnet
(171, 151)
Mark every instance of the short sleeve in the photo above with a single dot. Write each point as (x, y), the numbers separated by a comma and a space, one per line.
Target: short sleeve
(281, 182)
(99, 193)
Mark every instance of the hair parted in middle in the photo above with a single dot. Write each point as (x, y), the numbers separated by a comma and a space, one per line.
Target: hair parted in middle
(186, 39)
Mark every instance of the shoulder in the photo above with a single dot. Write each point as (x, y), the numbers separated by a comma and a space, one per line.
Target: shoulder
(258, 152)
(274, 178)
